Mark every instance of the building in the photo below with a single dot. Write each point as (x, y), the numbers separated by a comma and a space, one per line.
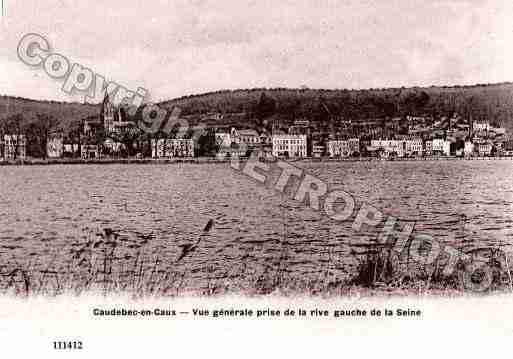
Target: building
(468, 150)
(70, 149)
(251, 138)
(508, 148)
(428, 147)
(237, 143)
(112, 146)
(318, 150)
(265, 139)
(89, 151)
(415, 118)
(55, 146)
(441, 146)
(338, 148)
(499, 130)
(115, 118)
(484, 148)
(414, 146)
(481, 126)
(172, 147)
(300, 127)
(289, 145)
(14, 147)
(354, 145)
(212, 117)
(390, 147)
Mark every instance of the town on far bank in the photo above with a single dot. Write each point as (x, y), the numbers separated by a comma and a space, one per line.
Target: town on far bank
(114, 134)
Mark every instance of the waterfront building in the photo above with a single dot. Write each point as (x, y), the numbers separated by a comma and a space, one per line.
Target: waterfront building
(70, 149)
(172, 147)
(399, 148)
(338, 148)
(441, 146)
(289, 145)
(484, 148)
(354, 145)
(390, 147)
(89, 151)
(414, 145)
(111, 145)
(214, 117)
(428, 147)
(14, 147)
(55, 146)
(468, 150)
(318, 150)
(508, 148)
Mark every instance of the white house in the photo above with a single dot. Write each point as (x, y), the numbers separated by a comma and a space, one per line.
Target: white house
(442, 146)
(172, 147)
(428, 147)
(89, 151)
(354, 145)
(390, 146)
(14, 147)
(481, 126)
(338, 148)
(414, 145)
(484, 148)
(468, 149)
(318, 150)
(289, 145)
(55, 146)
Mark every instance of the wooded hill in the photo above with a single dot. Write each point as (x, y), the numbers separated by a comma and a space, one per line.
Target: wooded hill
(492, 102)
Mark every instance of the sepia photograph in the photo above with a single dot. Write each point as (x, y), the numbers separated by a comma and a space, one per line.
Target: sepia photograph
(300, 178)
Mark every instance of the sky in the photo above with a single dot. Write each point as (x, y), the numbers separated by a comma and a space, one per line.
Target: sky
(176, 48)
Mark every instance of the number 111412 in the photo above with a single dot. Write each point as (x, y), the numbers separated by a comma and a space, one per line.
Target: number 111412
(67, 345)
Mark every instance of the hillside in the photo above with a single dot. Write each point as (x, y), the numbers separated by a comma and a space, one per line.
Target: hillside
(492, 102)
(64, 112)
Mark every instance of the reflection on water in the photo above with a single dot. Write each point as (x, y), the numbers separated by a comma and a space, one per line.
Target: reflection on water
(47, 212)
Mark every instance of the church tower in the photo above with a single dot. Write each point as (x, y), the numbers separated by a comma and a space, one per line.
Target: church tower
(107, 114)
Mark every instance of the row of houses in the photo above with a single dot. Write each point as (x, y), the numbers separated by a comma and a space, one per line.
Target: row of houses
(297, 145)
(410, 147)
(238, 142)
(341, 148)
(414, 147)
(160, 148)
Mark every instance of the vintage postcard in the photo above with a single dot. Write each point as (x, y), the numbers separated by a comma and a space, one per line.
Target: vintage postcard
(256, 178)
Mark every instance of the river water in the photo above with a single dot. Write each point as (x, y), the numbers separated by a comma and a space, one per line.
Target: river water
(47, 212)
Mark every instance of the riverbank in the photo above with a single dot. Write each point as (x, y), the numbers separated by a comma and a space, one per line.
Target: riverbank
(108, 161)
(203, 160)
